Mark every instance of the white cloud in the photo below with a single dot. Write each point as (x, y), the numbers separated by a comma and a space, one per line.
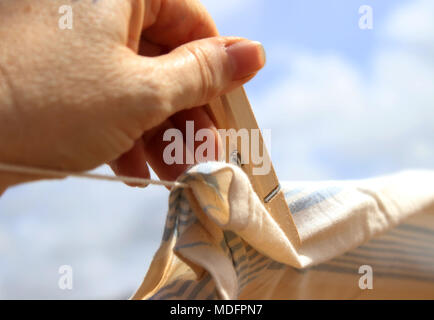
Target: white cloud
(412, 24)
(336, 121)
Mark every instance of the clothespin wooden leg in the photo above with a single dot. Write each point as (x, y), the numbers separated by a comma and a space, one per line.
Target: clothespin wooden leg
(233, 111)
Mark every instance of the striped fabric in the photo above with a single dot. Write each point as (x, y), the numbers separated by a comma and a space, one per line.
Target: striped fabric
(402, 261)
(220, 243)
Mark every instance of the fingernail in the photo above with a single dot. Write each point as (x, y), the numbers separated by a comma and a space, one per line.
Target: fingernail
(247, 57)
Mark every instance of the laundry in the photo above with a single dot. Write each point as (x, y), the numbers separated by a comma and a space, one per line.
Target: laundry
(220, 242)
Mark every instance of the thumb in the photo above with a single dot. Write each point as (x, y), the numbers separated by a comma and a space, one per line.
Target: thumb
(202, 70)
(195, 73)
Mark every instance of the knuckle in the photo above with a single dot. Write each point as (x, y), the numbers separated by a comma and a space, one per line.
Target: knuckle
(207, 72)
(144, 96)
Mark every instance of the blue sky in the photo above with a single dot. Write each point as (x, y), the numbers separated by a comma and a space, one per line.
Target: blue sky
(342, 103)
(318, 26)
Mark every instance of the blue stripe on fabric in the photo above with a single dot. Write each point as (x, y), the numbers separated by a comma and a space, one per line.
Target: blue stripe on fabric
(174, 221)
(225, 248)
(242, 269)
(246, 264)
(229, 236)
(199, 287)
(244, 278)
(236, 247)
(179, 212)
(212, 296)
(313, 199)
(416, 229)
(167, 233)
(253, 255)
(259, 261)
(178, 293)
(292, 192)
(186, 223)
(276, 266)
(249, 248)
(245, 275)
(246, 282)
(241, 259)
(168, 287)
(191, 245)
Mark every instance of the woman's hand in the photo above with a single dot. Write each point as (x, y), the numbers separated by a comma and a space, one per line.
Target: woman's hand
(105, 91)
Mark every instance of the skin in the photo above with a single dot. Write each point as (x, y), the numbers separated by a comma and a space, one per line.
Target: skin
(105, 91)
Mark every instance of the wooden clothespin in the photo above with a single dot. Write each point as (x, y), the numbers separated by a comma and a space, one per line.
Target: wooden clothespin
(233, 111)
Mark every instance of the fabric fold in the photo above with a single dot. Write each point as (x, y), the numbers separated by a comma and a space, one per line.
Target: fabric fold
(220, 242)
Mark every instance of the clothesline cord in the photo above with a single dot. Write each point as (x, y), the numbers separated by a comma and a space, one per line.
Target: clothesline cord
(85, 175)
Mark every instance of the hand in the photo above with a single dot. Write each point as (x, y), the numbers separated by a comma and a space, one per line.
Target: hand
(105, 91)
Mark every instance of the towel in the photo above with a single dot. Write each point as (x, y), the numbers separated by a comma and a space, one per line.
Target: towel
(220, 242)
